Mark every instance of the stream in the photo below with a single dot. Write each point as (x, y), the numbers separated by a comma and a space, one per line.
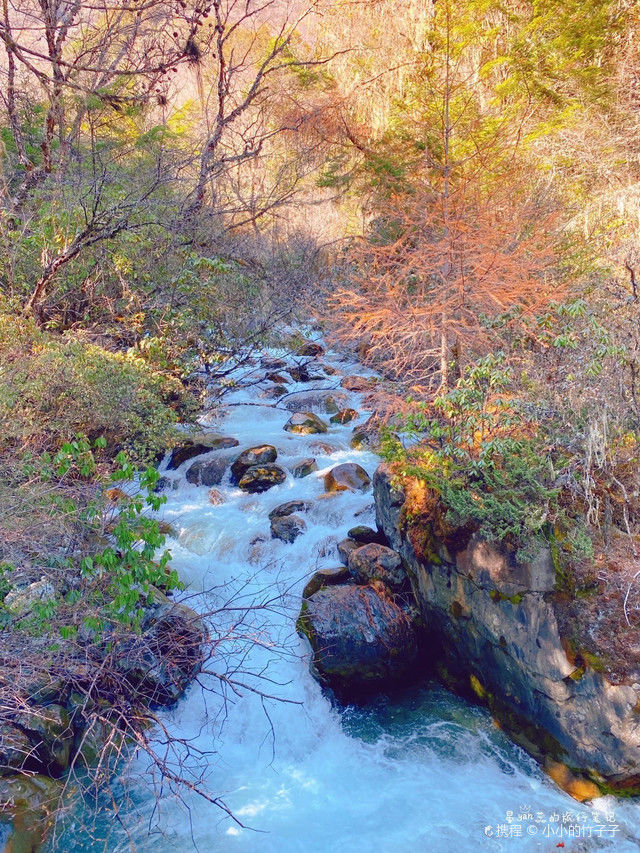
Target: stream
(421, 770)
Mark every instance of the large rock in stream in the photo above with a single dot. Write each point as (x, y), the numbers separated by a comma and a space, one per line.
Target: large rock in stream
(305, 423)
(260, 478)
(377, 562)
(347, 477)
(360, 637)
(263, 454)
(160, 662)
(208, 472)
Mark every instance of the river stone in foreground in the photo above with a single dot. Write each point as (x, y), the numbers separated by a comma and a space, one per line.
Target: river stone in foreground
(360, 638)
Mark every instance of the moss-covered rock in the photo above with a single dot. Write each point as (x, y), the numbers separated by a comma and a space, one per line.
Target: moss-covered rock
(260, 478)
(344, 416)
(262, 454)
(305, 423)
(325, 577)
(347, 477)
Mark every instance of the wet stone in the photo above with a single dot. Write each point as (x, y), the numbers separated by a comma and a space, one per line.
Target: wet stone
(164, 484)
(262, 454)
(363, 535)
(322, 447)
(305, 423)
(304, 468)
(268, 363)
(317, 400)
(287, 528)
(299, 374)
(209, 473)
(344, 416)
(325, 577)
(276, 377)
(377, 562)
(289, 508)
(260, 478)
(360, 637)
(205, 444)
(347, 477)
(311, 349)
(345, 547)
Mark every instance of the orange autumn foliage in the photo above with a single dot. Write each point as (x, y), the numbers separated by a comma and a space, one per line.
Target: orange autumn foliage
(437, 270)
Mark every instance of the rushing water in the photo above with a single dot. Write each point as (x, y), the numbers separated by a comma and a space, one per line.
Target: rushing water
(420, 771)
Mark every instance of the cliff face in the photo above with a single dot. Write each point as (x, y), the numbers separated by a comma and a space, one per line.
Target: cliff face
(495, 630)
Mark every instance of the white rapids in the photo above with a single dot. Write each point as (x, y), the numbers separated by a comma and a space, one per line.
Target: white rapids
(422, 771)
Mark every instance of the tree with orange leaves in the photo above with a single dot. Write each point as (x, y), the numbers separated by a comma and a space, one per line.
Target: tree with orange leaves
(464, 231)
(423, 294)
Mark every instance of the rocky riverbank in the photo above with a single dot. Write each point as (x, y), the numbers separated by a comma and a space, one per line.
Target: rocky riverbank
(494, 631)
(487, 626)
(79, 709)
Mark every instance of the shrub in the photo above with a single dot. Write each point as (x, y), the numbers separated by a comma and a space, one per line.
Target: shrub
(484, 458)
(52, 386)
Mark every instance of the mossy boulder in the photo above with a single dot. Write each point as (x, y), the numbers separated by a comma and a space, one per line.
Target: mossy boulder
(260, 478)
(305, 423)
(31, 803)
(347, 477)
(344, 416)
(16, 749)
(262, 454)
(310, 349)
(363, 535)
(325, 577)
(51, 734)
